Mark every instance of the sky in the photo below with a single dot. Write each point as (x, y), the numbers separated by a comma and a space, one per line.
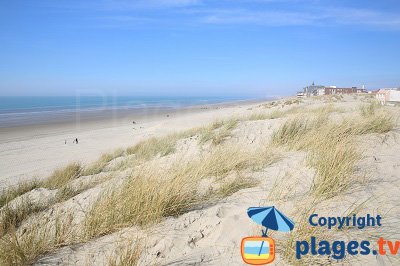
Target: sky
(251, 48)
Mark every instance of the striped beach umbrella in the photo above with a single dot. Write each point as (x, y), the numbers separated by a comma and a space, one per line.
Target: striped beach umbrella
(271, 218)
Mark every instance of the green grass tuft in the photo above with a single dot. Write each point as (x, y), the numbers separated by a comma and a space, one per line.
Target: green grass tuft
(99, 165)
(147, 149)
(9, 194)
(218, 131)
(63, 176)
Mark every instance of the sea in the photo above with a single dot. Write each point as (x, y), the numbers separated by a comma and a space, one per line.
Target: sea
(23, 110)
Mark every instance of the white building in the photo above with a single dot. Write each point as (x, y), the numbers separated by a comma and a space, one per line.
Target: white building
(388, 96)
(321, 92)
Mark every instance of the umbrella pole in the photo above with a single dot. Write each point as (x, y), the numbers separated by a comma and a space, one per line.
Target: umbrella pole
(264, 233)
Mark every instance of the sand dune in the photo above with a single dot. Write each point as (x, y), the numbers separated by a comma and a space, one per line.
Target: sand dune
(181, 198)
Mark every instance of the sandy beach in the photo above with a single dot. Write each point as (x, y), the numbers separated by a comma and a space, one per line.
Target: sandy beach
(174, 190)
(199, 133)
(35, 151)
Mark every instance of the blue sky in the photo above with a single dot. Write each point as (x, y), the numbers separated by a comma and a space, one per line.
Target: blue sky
(196, 47)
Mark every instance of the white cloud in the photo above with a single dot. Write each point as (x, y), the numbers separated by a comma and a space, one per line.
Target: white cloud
(364, 17)
(268, 18)
(235, 12)
(314, 16)
(143, 4)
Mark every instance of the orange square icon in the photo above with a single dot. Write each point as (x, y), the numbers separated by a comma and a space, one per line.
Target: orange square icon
(257, 250)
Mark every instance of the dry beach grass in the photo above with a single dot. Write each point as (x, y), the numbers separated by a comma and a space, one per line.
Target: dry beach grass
(157, 180)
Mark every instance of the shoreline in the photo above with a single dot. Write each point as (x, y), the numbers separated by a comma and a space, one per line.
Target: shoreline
(106, 118)
(35, 151)
(17, 119)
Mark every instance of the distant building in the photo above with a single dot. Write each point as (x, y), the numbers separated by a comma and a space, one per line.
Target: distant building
(312, 90)
(317, 90)
(330, 91)
(388, 96)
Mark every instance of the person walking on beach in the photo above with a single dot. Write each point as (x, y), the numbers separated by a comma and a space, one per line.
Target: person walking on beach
(76, 140)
